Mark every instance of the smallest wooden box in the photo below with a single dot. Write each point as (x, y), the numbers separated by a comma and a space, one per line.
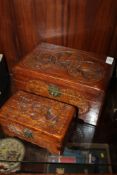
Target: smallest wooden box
(36, 119)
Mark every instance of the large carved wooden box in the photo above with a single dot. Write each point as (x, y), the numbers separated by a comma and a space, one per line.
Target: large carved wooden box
(68, 75)
(39, 120)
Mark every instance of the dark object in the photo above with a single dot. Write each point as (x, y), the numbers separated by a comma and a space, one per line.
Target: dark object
(4, 80)
(114, 118)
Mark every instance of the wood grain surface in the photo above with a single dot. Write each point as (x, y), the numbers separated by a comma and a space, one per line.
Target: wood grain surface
(88, 25)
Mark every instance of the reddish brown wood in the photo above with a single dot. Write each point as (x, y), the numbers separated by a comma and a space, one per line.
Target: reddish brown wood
(83, 24)
(39, 120)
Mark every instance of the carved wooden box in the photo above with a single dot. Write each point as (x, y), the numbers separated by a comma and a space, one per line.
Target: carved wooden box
(39, 120)
(68, 75)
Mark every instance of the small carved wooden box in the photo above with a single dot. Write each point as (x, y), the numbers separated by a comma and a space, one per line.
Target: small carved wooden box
(68, 75)
(39, 120)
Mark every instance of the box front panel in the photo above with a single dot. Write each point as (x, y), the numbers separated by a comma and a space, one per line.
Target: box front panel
(25, 133)
(88, 110)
